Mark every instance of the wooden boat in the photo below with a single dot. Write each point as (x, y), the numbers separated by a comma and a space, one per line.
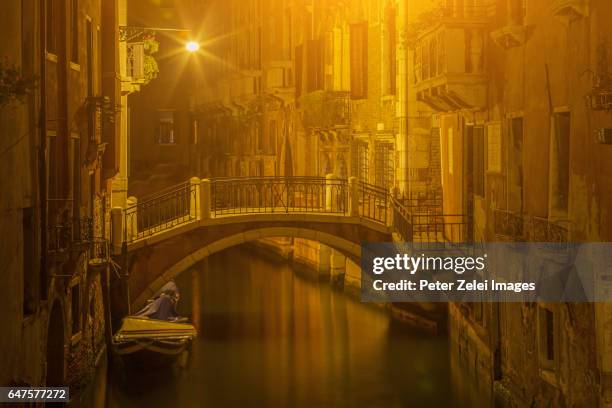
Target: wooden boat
(151, 341)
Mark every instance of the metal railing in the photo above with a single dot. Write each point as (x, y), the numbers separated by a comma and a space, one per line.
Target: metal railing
(444, 228)
(278, 194)
(545, 230)
(423, 203)
(174, 207)
(69, 234)
(415, 219)
(373, 202)
(508, 224)
(99, 252)
(402, 220)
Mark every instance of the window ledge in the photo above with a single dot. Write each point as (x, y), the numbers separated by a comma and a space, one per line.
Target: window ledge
(76, 338)
(549, 376)
(51, 57)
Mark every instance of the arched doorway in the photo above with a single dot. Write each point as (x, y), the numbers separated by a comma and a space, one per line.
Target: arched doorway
(55, 347)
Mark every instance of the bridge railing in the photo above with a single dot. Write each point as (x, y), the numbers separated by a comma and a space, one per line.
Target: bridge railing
(202, 199)
(374, 202)
(402, 220)
(278, 194)
(173, 207)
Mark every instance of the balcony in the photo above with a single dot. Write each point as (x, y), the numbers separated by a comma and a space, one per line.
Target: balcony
(69, 236)
(135, 67)
(545, 230)
(569, 10)
(327, 109)
(449, 68)
(99, 253)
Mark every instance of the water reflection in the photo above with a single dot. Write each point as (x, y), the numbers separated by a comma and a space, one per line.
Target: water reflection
(271, 338)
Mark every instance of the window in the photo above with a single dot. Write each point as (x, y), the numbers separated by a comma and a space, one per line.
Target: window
(450, 151)
(360, 165)
(494, 155)
(90, 61)
(515, 164)
(478, 161)
(28, 256)
(50, 23)
(559, 162)
(52, 168)
(391, 44)
(546, 338)
(298, 70)
(76, 171)
(315, 80)
(270, 147)
(359, 60)
(74, 46)
(194, 130)
(165, 127)
(75, 305)
(384, 164)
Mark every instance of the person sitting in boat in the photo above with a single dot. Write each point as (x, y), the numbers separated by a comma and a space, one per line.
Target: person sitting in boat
(163, 305)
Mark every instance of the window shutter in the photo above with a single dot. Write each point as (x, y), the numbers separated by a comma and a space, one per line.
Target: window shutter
(359, 60)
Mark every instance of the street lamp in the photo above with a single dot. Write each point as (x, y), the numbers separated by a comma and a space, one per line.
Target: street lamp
(131, 33)
(192, 46)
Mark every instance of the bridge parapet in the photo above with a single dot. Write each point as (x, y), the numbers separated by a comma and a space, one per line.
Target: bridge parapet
(205, 199)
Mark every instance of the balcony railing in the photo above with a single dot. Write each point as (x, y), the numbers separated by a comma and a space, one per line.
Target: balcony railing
(99, 252)
(545, 230)
(442, 229)
(508, 224)
(72, 234)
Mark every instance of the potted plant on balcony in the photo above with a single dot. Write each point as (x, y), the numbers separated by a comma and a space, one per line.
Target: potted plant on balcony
(14, 86)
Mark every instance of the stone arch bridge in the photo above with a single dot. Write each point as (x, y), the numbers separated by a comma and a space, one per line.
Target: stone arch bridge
(158, 237)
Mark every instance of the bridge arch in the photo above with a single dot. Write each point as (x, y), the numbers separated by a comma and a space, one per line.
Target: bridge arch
(342, 245)
(165, 234)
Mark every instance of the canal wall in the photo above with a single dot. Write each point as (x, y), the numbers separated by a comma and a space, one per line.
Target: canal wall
(316, 261)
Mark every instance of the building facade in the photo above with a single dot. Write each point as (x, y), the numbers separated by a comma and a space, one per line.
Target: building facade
(515, 90)
(496, 113)
(60, 148)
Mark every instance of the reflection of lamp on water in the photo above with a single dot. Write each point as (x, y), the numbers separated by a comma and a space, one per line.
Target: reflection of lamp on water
(192, 46)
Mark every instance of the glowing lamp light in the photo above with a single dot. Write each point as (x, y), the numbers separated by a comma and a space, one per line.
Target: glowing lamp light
(192, 46)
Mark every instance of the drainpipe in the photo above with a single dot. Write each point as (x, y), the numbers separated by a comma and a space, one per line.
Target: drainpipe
(42, 148)
(402, 98)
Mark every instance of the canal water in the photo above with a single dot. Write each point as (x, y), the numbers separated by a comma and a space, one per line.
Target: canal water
(269, 337)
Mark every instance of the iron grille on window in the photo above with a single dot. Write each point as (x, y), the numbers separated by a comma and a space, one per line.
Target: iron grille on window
(360, 165)
(384, 164)
(165, 128)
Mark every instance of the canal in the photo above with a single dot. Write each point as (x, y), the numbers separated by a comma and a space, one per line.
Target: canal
(269, 337)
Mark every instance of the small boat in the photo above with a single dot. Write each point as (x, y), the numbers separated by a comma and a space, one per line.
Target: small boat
(156, 334)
